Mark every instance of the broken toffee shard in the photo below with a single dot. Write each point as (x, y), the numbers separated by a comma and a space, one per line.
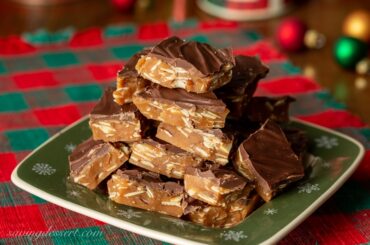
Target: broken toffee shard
(193, 66)
(162, 158)
(142, 189)
(212, 186)
(237, 208)
(266, 158)
(128, 80)
(111, 122)
(92, 161)
(245, 76)
(209, 144)
(180, 108)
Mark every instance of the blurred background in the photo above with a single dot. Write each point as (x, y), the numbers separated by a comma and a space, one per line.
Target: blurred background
(328, 40)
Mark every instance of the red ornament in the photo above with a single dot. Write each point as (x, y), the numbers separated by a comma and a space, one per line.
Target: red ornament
(124, 5)
(290, 34)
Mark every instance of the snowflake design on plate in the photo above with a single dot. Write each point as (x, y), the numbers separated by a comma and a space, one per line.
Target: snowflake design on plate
(69, 147)
(43, 169)
(270, 211)
(233, 235)
(147, 222)
(326, 164)
(73, 193)
(308, 188)
(326, 142)
(129, 213)
(178, 222)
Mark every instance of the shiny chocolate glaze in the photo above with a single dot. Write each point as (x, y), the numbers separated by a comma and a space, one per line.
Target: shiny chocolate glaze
(194, 57)
(271, 159)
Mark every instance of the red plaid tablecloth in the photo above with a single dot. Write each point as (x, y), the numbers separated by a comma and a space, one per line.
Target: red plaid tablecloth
(48, 81)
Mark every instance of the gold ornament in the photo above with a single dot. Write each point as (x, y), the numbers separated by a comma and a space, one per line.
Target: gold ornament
(363, 67)
(314, 39)
(357, 25)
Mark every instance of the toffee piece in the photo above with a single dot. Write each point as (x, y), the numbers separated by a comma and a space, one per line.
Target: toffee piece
(92, 161)
(212, 186)
(180, 108)
(245, 76)
(267, 158)
(145, 190)
(111, 122)
(234, 212)
(193, 66)
(128, 81)
(162, 158)
(209, 144)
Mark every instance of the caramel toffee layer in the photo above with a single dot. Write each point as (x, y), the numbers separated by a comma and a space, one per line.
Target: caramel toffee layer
(180, 108)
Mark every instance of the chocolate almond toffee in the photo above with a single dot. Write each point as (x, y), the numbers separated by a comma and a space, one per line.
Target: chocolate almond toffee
(92, 161)
(162, 158)
(212, 186)
(193, 66)
(128, 81)
(210, 144)
(245, 76)
(266, 158)
(145, 190)
(180, 108)
(183, 135)
(236, 209)
(111, 122)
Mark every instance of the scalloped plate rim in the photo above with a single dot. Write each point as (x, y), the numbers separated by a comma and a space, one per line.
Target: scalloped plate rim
(138, 229)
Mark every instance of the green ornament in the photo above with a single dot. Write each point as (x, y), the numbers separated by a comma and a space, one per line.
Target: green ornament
(348, 51)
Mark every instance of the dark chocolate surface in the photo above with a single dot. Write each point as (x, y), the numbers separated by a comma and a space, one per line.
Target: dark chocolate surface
(271, 157)
(245, 76)
(227, 178)
(79, 157)
(107, 106)
(192, 56)
(261, 108)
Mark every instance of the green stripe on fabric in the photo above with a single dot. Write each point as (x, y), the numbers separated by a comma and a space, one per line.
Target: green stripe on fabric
(290, 68)
(365, 132)
(42, 37)
(2, 68)
(199, 38)
(125, 52)
(119, 30)
(82, 93)
(60, 59)
(10, 195)
(12, 102)
(38, 200)
(329, 101)
(252, 35)
(26, 139)
(190, 23)
(88, 236)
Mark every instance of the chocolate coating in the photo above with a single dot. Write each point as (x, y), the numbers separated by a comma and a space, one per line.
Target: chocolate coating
(106, 106)
(77, 158)
(192, 56)
(261, 108)
(269, 160)
(183, 98)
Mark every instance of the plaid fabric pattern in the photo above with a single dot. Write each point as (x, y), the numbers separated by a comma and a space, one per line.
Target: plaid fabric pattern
(48, 81)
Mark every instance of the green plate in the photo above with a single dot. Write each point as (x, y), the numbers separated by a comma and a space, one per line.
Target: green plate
(335, 157)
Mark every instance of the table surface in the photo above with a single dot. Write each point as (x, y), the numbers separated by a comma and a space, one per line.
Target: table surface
(325, 16)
